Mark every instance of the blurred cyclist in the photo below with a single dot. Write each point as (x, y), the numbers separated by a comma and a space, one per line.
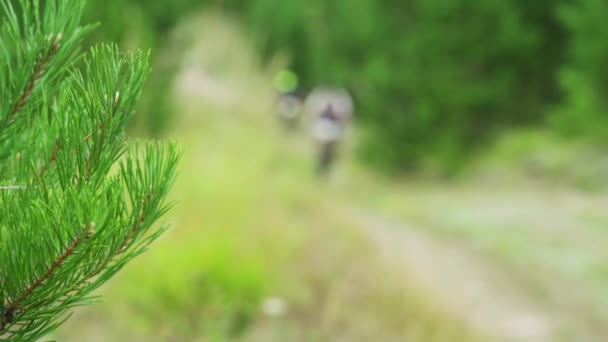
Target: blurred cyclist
(289, 101)
(332, 110)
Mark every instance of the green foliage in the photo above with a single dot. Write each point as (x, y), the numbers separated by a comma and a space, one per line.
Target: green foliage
(433, 79)
(149, 24)
(584, 79)
(544, 157)
(36, 48)
(77, 201)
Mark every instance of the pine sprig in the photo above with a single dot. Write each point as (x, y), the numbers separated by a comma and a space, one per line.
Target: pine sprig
(38, 72)
(38, 43)
(78, 201)
(13, 307)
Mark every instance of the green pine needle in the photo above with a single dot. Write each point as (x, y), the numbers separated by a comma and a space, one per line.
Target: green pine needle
(77, 200)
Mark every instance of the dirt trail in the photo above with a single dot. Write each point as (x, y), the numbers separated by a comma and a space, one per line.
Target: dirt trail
(464, 283)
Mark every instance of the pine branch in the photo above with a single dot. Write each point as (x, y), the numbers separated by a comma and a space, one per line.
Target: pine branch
(59, 172)
(13, 307)
(39, 70)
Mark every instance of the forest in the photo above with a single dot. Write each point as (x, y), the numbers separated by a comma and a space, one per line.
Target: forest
(433, 80)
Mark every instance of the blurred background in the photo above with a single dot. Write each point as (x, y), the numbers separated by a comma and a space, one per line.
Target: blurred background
(465, 200)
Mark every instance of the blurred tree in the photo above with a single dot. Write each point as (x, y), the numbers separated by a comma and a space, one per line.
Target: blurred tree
(584, 78)
(432, 78)
(77, 201)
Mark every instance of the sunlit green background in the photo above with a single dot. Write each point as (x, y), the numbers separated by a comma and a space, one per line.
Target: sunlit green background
(469, 202)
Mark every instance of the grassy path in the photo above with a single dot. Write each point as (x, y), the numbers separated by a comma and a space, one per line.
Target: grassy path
(547, 243)
(440, 253)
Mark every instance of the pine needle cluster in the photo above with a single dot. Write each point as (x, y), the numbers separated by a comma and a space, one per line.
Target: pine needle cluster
(78, 200)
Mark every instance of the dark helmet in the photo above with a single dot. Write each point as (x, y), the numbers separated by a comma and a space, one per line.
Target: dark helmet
(329, 113)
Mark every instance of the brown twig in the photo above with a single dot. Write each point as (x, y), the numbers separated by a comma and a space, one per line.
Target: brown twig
(13, 307)
(137, 225)
(55, 151)
(39, 70)
(98, 146)
(52, 159)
